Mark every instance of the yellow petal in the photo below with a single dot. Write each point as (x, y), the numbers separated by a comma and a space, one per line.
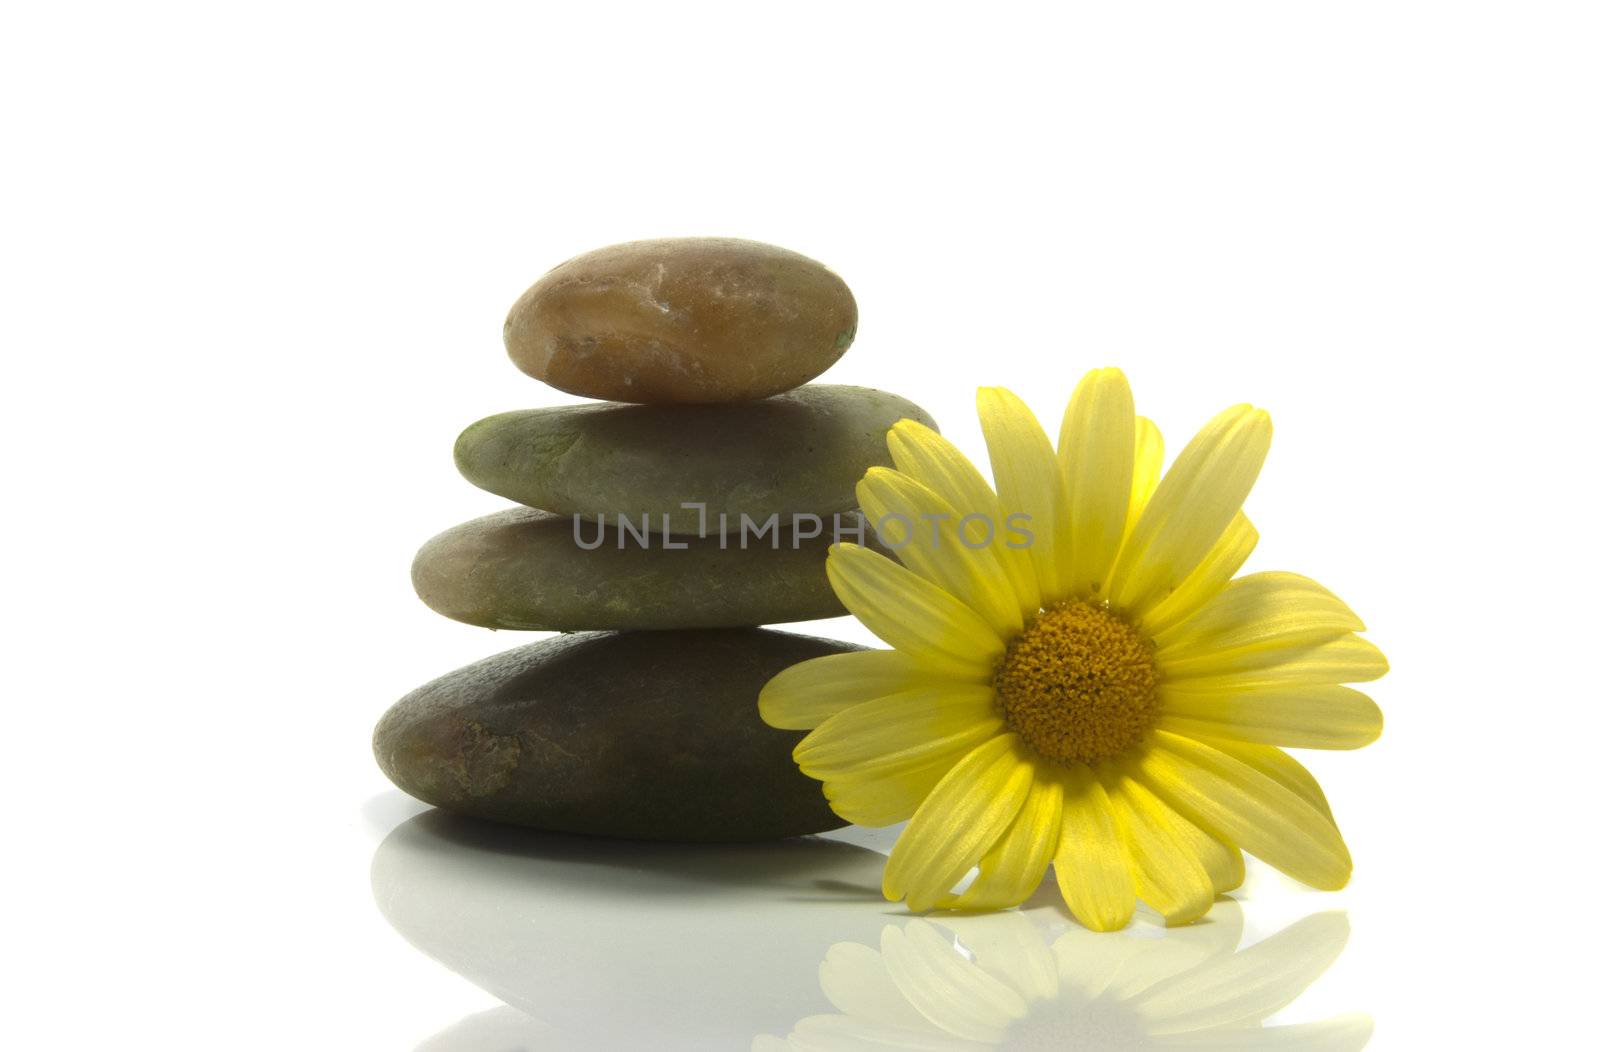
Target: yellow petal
(1097, 461)
(1191, 508)
(1027, 478)
(958, 823)
(1303, 717)
(1092, 863)
(1166, 873)
(1281, 768)
(941, 544)
(934, 461)
(804, 694)
(1209, 578)
(1013, 868)
(900, 731)
(1240, 805)
(1148, 453)
(1261, 612)
(936, 629)
(1347, 659)
(1223, 863)
(884, 796)
(954, 994)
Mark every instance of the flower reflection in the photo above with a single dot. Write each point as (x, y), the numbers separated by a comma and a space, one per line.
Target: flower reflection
(975, 982)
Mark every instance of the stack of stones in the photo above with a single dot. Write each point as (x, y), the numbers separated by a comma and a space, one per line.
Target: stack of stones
(654, 535)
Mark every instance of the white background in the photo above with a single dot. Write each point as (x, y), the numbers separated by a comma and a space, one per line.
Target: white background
(256, 259)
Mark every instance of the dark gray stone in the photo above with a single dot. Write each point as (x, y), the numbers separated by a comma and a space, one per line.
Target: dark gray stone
(646, 735)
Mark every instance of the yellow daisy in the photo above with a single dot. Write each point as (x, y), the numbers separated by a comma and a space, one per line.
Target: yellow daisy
(1077, 677)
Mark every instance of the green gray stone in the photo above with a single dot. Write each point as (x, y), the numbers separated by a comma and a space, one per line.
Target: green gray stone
(525, 569)
(645, 735)
(799, 452)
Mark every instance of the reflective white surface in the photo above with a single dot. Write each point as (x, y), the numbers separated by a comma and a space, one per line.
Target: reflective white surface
(608, 944)
(254, 260)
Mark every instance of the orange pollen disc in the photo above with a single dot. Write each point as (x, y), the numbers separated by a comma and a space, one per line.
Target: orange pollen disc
(1079, 684)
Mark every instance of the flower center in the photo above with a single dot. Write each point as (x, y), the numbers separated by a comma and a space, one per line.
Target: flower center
(1079, 684)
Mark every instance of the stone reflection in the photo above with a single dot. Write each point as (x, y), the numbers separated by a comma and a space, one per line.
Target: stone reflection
(612, 944)
(998, 981)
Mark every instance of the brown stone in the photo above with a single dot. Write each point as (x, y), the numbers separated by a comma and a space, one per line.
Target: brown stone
(682, 320)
